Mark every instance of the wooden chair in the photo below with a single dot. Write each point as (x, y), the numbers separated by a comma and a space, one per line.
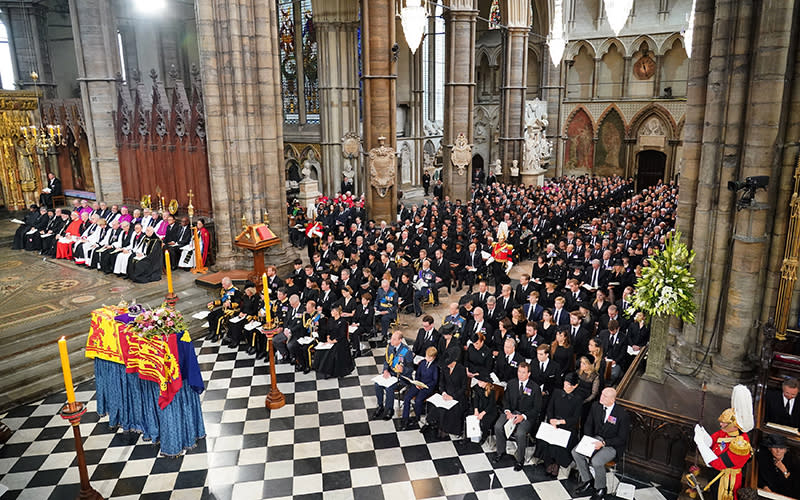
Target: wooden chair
(59, 200)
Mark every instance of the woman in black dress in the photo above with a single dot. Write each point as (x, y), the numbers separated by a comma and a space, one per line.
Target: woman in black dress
(546, 327)
(563, 411)
(479, 358)
(484, 405)
(453, 387)
(336, 361)
(561, 352)
(540, 270)
(777, 467)
(449, 347)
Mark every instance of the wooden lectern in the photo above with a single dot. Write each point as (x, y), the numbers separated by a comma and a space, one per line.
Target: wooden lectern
(257, 238)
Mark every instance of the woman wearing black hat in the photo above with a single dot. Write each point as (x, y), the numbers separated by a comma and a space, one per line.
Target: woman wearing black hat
(479, 359)
(777, 468)
(453, 384)
(564, 412)
(484, 404)
(336, 361)
(449, 347)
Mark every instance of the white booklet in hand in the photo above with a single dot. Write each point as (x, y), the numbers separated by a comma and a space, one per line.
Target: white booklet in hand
(324, 346)
(509, 427)
(252, 325)
(305, 340)
(553, 435)
(236, 319)
(473, 427)
(418, 359)
(384, 381)
(201, 315)
(438, 401)
(586, 446)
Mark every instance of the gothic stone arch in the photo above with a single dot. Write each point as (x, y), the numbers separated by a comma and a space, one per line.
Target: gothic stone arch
(654, 129)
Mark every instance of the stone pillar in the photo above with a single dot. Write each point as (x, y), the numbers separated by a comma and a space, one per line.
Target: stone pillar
(552, 94)
(241, 87)
(767, 110)
(626, 75)
(595, 77)
(26, 23)
(657, 76)
(380, 96)
(95, 36)
(336, 22)
(417, 119)
(516, 15)
(459, 91)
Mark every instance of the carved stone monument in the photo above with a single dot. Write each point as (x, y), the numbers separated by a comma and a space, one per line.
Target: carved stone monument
(382, 167)
(461, 156)
(537, 149)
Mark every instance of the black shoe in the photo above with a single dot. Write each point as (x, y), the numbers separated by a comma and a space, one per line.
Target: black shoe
(497, 457)
(484, 437)
(251, 350)
(424, 428)
(403, 424)
(458, 288)
(306, 370)
(418, 314)
(584, 489)
(443, 434)
(378, 412)
(436, 304)
(599, 494)
(261, 355)
(389, 415)
(517, 466)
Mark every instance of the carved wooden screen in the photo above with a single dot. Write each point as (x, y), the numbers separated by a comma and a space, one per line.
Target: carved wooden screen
(73, 158)
(161, 143)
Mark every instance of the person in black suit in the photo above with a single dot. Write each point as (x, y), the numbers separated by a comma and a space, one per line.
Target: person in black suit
(473, 266)
(478, 324)
(575, 295)
(493, 314)
(480, 297)
(563, 411)
(479, 359)
(578, 335)
(781, 405)
(777, 467)
(545, 372)
(441, 267)
(610, 425)
(427, 336)
(523, 290)
(54, 185)
(613, 313)
(560, 313)
(522, 403)
(506, 301)
(506, 364)
(532, 310)
(615, 347)
(532, 340)
(327, 297)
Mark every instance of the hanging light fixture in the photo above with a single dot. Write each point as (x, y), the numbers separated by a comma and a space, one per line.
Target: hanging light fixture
(688, 35)
(556, 42)
(40, 138)
(617, 12)
(413, 17)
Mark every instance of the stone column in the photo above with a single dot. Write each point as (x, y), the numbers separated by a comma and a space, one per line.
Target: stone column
(516, 14)
(657, 76)
(336, 22)
(241, 87)
(767, 110)
(552, 94)
(380, 96)
(595, 77)
(26, 23)
(626, 72)
(459, 90)
(95, 36)
(417, 120)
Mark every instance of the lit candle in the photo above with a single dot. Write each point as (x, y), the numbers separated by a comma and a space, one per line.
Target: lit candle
(267, 312)
(169, 271)
(62, 349)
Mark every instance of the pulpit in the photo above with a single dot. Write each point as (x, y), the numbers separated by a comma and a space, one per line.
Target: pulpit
(256, 238)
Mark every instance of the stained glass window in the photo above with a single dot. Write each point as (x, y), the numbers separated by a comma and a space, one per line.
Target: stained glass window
(494, 15)
(311, 82)
(288, 62)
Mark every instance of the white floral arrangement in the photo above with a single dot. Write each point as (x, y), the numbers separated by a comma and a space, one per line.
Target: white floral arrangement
(666, 287)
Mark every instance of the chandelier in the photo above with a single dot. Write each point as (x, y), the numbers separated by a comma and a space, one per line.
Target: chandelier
(41, 138)
(617, 12)
(413, 18)
(556, 42)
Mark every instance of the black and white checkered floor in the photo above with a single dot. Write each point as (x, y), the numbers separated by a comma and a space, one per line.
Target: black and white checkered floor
(322, 444)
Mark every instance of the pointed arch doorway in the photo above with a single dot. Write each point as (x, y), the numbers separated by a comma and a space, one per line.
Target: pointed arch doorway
(651, 165)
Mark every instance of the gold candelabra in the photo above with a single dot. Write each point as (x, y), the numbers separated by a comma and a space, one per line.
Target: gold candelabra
(43, 137)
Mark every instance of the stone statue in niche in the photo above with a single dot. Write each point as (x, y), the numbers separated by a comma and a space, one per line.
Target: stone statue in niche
(310, 166)
(405, 163)
(498, 167)
(514, 168)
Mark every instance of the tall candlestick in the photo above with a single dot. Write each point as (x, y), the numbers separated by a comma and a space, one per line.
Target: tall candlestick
(62, 349)
(169, 271)
(267, 312)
